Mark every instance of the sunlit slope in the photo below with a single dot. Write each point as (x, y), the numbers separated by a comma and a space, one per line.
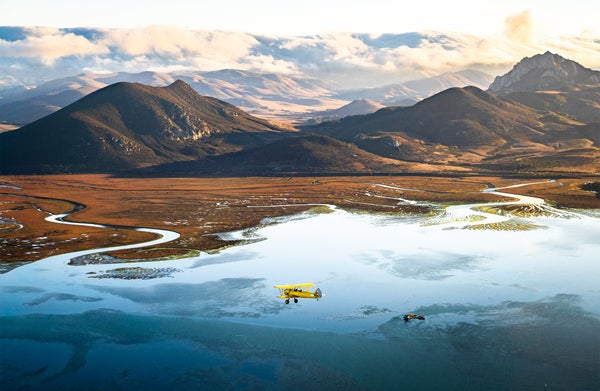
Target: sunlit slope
(470, 126)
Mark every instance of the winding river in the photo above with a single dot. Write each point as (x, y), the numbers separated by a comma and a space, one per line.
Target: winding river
(458, 212)
(164, 236)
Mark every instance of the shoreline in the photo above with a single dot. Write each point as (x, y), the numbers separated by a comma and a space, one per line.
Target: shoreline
(201, 208)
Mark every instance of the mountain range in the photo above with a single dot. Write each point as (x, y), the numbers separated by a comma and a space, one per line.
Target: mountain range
(173, 130)
(269, 95)
(416, 90)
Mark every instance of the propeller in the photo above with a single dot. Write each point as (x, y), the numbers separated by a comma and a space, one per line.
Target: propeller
(318, 293)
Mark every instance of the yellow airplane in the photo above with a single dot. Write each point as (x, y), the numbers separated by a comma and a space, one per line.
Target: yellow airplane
(295, 291)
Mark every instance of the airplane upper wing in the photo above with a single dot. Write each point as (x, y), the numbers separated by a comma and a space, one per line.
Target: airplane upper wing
(292, 286)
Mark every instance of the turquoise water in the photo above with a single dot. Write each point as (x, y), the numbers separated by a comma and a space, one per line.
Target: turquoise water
(505, 308)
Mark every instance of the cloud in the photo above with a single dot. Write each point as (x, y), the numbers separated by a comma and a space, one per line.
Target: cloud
(355, 59)
(179, 43)
(267, 63)
(348, 59)
(49, 47)
(518, 27)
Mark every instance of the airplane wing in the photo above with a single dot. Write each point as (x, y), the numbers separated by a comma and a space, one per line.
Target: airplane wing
(292, 286)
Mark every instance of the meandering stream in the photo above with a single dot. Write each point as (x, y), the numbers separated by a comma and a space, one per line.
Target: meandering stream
(164, 236)
(457, 213)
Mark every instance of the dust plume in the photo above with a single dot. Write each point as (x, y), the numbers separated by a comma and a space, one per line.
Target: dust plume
(518, 27)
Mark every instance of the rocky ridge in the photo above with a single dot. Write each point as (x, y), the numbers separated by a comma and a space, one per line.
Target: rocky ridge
(544, 72)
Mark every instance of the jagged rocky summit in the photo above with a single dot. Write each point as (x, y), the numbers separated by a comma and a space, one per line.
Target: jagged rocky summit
(544, 72)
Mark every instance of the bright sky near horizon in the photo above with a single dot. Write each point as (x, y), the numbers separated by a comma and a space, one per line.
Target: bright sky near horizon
(283, 17)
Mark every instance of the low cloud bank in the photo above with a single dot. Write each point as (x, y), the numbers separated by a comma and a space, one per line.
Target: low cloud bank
(31, 55)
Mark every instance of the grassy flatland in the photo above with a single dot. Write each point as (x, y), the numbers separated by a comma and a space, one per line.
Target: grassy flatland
(198, 208)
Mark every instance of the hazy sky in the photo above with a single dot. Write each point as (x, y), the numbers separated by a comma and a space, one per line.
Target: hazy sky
(283, 17)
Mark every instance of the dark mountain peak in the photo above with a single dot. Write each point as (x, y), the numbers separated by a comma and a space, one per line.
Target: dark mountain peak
(119, 93)
(127, 90)
(468, 117)
(460, 91)
(181, 86)
(127, 125)
(450, 95)
(484, 96)
(459, 100)
(121, 86)
(544, 72)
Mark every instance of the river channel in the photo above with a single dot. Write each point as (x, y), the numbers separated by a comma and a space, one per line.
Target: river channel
(509, 293)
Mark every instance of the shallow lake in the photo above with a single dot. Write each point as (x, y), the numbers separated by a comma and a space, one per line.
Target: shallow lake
(510, 300)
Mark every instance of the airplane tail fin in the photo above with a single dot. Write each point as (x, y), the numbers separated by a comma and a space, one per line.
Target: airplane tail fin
(318, 293)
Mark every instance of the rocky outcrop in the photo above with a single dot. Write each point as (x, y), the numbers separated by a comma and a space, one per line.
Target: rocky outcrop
(544, 72)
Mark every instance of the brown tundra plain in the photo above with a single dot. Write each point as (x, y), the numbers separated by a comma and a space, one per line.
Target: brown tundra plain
(200, 208)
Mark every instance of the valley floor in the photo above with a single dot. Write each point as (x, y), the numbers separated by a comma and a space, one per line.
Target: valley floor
(200, 208)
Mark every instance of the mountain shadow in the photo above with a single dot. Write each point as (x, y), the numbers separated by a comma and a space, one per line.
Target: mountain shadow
(296, 155)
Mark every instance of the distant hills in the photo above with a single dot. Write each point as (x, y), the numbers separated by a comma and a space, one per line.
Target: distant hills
(268, 95)
(416, 90)
(356, 107)
(537, 122)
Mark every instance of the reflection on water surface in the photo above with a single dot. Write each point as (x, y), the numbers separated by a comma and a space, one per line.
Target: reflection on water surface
(510, 302)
